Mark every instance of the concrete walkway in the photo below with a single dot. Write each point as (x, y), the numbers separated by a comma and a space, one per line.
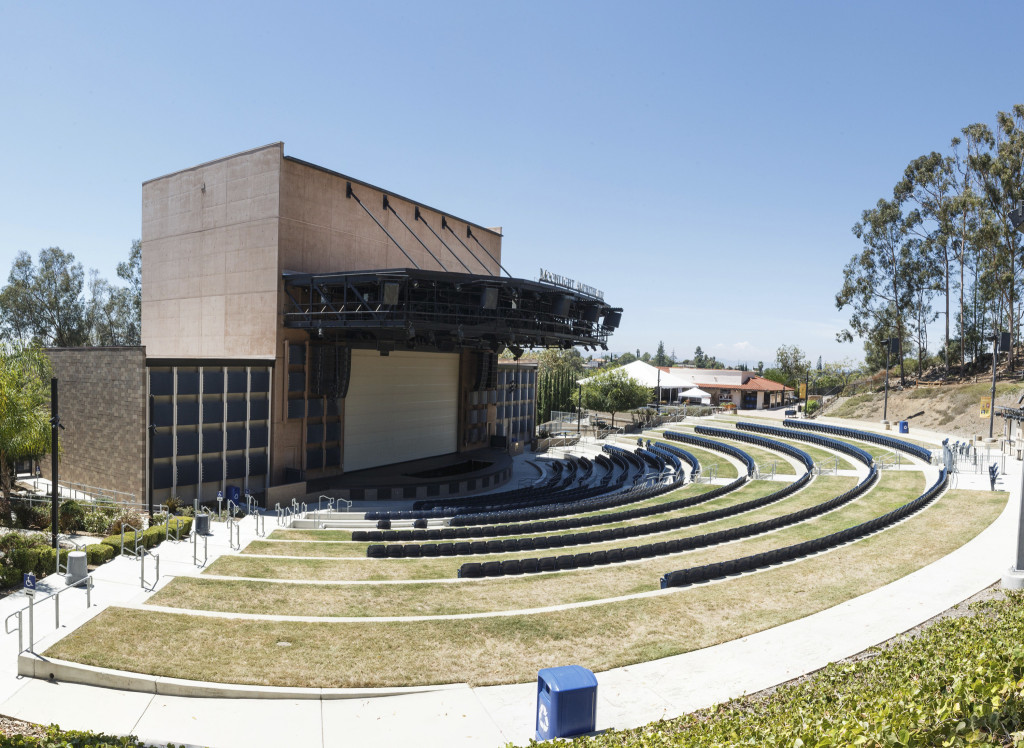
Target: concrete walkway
(495, 715)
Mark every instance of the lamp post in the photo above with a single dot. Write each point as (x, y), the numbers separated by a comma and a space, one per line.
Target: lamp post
(579, 406)
(1014, 576)
(888, 349)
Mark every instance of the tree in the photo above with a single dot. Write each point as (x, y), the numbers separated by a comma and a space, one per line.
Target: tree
(791, 366)
(44, 301)
(614, 391)
(24, 410)
(131, 272)
(882, 281)
(625, 358)
(660, 357)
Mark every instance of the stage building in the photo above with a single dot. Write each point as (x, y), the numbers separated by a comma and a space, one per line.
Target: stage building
(300, 326)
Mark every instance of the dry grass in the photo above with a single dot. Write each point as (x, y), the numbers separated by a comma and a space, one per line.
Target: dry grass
(512, 649)
(286, 534)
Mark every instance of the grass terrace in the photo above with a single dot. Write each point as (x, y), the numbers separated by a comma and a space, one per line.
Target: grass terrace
(510, 649)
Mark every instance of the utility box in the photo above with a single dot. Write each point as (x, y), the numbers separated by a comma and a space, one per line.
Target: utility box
(904, 427)
(566, 702)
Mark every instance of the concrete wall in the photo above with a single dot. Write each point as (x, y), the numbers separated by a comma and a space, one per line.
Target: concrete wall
(210, 274)
(102, 403)
(324, 231)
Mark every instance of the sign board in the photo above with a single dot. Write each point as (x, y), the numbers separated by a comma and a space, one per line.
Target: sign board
(986, 407)
(803, 390)
(29, 580)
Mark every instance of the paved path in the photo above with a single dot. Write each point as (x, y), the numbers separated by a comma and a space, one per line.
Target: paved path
(494, 715)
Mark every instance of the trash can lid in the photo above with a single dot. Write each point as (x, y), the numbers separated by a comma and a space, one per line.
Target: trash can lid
(567, 677)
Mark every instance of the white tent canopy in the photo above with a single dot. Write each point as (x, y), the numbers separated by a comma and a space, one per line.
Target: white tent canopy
(648, 376)
(697, 393)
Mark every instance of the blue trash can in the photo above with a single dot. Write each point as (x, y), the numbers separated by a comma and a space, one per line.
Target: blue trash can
(566, 702)
(904, 427)
(234, 494)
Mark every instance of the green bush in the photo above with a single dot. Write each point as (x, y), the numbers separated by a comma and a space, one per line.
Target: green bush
(46, 563)
(185, 523)
(57, 738)
(72, 516)
(97, 554)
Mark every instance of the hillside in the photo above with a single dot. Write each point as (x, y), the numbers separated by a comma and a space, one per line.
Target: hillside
(951, 408)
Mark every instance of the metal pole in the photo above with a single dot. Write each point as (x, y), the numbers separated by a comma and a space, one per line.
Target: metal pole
(658, 395)
(885, 407)
(992, 402)
(579, 407)
(54, 423)
(1020, 525)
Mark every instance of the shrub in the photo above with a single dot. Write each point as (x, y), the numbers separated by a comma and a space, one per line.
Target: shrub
(97, 554)
(98, 519)
(46, 563)
(184, 523)
(154, 536)
(173, 504)
(125, 516)
(72, 516)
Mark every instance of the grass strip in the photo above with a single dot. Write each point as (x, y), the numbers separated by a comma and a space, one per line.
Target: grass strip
(511, 649)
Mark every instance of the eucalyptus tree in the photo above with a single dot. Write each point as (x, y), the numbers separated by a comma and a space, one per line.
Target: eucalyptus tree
(881, 283)
(996, 157)
(44, 301)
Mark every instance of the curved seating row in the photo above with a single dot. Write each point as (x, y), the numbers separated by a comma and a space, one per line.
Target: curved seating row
(682, 454)
(759, 441)
(788, 553)
(661, 548)
(921, 453)
(554, 525)
(822, 441)
(513, 545)
(699, 441)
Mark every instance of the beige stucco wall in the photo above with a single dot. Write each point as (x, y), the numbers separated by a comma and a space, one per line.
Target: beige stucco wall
(324, 231)
(209, 258)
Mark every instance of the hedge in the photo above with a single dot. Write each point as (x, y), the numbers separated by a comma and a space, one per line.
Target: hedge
(58, 738)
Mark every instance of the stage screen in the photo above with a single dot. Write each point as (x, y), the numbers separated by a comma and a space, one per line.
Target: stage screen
(400, 407)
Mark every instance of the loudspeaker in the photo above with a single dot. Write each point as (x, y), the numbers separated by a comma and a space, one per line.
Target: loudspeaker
(390, 293)
(489, 298)
(486, 371)
(329, 371)
(613, 319)
(560, 306)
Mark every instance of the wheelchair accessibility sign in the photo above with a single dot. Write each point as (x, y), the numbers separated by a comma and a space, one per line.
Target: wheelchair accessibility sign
(29, 580)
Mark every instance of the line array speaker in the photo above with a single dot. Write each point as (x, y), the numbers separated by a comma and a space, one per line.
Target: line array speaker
(330, 370)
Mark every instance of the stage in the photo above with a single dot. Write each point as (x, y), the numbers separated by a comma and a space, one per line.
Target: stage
(457, 474)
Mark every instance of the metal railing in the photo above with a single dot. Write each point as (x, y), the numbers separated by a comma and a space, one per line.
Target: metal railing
(234, 527)
(175, 528)
(18, 615)
(138, 540)
(142, 570)
(827, 466)
(764, 472)
(707, 474)
(889, 460)
(195, 549)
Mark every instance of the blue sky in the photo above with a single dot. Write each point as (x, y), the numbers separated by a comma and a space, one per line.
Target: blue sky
(702, 163)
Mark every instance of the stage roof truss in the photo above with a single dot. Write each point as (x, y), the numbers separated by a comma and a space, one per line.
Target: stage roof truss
(444, 311)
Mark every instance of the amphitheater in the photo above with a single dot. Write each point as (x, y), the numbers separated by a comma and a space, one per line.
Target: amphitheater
(687, 565)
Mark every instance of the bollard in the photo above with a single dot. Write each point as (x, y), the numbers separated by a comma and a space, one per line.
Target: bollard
(78, 567)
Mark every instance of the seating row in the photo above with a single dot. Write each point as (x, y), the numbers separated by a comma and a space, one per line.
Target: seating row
(822, 441)
(676, 546)
(555, 525)
(706, 572)
(921, 453)
(759, 441)
(699, 441)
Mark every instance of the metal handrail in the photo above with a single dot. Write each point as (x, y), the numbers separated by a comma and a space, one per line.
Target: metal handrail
(261, 524)
(138, 540)
(142, 570)
(234, 533)
(195, 550)
(56, 612)
(176, 530)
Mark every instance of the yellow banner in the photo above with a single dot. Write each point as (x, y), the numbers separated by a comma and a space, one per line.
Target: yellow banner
(803, 390)
(986, 407)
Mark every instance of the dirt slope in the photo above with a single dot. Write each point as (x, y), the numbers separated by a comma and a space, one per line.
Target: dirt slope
(953, 408)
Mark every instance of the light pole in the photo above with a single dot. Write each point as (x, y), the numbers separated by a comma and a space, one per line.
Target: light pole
(1014, 576)
(888, 349)
(579, 407)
